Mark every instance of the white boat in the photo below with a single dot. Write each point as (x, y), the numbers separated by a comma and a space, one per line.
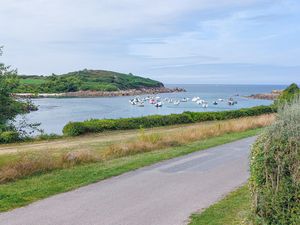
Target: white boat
(140, 104)
(204, 105)
(158, 104)
(184, 100)
(200, 102)
(195, 99)
(221, 100)
(176, 102)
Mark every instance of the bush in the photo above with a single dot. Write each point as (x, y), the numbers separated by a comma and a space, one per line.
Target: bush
(9, 137)
(275, 170)
(100, 125)
(288, 95)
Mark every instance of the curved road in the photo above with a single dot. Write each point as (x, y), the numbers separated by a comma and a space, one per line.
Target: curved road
(163, 194)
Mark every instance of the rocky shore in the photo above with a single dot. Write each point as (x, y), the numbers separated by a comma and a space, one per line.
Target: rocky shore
(267, 96)
(130, 92)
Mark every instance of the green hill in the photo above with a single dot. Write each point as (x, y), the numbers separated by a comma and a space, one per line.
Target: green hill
(84, 80)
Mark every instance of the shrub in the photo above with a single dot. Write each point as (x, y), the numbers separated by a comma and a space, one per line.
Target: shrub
(100, 125)
(74, 129)
(288, 95)
(275, 170)
(9, 137)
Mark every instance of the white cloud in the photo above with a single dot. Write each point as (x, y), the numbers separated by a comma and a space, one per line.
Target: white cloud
(42, 36)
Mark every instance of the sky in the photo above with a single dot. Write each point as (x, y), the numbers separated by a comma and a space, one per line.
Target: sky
(174, 41)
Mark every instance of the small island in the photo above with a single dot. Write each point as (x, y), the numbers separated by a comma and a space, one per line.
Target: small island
(89, 83)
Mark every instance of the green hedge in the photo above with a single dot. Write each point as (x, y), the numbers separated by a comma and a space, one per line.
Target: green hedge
(9, 137)
(100, 125)
(275, 171)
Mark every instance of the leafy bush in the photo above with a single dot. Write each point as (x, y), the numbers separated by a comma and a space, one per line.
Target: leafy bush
(9, 137)
(275, 170)
(288, 95)
(100, 125)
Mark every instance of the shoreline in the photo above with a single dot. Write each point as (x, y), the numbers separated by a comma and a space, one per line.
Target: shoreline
(130, 92)
(266, 96)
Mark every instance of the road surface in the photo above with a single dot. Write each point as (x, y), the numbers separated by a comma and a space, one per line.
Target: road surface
(162, 194)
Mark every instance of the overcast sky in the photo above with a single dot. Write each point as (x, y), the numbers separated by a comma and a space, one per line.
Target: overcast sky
(174, 41)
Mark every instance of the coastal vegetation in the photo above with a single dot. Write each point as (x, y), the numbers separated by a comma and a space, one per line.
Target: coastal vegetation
(84, 80)
(100, 125)
(29, 175)
(34, 162)
(275, 168)
(9, 106)
(288, 95)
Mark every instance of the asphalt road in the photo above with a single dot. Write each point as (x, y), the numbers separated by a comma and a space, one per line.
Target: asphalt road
(163, 194)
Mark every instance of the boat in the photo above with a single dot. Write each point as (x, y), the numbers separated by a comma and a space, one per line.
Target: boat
(200, 102)
(221, 100)
(176, 102)
(158, 104)
(184, 100)
(195, 99)
(204, 105)
(230, 102)
(215, 103)
(152, 101)
(140, 104)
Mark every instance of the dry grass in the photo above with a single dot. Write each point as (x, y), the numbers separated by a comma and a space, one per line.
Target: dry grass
(155, 141)
(33, 163)
(38, 162)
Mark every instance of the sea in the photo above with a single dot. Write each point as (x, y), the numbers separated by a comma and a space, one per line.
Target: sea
(54, 113)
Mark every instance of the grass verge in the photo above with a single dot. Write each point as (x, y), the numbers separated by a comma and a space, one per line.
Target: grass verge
(45, 161)
(232, 210)
(33, 188)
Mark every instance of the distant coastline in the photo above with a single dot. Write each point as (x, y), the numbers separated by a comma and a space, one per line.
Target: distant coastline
(129, 92)
(266, 96)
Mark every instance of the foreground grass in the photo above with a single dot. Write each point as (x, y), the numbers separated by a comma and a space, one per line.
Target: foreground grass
(45, 161)
(33, 188)
(232, 210)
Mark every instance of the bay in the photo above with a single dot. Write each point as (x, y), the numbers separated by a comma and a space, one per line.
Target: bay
(54, 113)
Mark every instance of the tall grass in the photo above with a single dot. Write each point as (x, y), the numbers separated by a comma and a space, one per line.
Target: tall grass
(32, 163)
(275, 169)
(40, 162)
(155, 141)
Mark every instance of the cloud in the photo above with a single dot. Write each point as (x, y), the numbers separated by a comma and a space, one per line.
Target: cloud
(146, 37)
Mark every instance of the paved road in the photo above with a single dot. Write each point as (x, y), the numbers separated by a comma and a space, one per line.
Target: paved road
(163, 194)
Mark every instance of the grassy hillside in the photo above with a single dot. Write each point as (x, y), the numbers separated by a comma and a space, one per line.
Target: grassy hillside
(93, 80)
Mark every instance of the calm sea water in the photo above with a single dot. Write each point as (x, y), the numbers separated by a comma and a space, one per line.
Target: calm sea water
(54, 113)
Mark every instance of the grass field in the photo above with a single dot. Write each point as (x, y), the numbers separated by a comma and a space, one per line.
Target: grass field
(17, 165)
(232, 210)
(39, 186)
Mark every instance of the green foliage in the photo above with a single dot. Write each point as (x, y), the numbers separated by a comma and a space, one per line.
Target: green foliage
(9, 137)
(92, 80)
(9, 107)
(100, 125)
(288, 94)
(275, 170)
